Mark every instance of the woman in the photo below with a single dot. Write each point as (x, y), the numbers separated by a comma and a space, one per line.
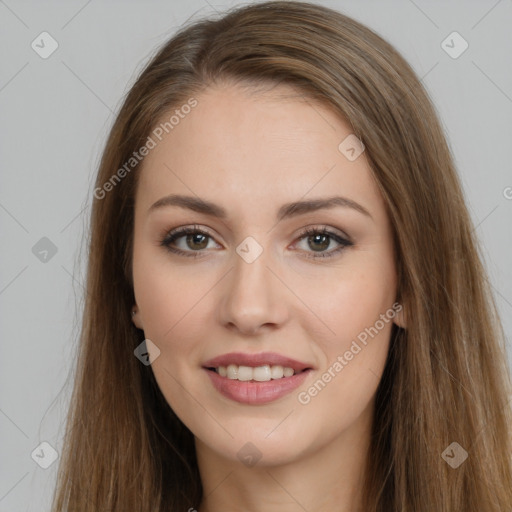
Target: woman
(286, 306)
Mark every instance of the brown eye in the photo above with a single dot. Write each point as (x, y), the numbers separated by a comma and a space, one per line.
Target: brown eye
(318, 240)
(195, 241)
(196, 238)
(321, 242)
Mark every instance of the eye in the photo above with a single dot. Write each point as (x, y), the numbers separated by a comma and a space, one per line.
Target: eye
(195, 240)
(319, 239)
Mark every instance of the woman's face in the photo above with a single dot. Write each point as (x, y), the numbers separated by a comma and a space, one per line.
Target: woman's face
(254, 170)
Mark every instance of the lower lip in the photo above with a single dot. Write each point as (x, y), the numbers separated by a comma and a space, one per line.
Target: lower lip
(254, 393)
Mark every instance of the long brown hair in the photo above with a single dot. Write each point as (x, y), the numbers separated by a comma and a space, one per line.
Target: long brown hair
(446, 379)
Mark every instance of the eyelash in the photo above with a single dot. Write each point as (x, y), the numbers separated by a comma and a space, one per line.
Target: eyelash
(174, 235)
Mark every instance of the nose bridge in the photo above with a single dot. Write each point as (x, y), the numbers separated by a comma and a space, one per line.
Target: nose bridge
(252, 296)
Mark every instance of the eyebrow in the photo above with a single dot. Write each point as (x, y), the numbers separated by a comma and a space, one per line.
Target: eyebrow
(287, 210)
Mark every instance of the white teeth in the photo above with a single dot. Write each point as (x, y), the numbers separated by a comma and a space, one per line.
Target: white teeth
(232, 371)
(276, 372)
(260, 373)
(288, 372)
(245, 373)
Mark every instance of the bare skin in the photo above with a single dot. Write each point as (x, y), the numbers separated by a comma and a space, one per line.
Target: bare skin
(250, 153)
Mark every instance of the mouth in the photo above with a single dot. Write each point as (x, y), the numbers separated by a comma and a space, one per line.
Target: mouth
(256, 378)
(240, 383)
(263, 373)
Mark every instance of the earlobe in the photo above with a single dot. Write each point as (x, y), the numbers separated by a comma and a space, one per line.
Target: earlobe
(400, 318)
(136, 317)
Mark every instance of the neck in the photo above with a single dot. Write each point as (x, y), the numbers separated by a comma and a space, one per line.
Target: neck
(327, 478)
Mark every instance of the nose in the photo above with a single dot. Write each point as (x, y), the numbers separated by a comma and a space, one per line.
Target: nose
(253, 297)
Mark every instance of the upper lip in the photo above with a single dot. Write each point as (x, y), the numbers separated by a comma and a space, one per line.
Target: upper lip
(263, 358)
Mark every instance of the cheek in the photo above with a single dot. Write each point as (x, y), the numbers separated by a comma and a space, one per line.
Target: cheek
(347, 300)
(171, 302)
(176, 305)
(167, 294)
(353, 359)
(357, 316)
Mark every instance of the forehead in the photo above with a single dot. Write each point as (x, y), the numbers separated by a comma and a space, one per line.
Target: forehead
(251, 145)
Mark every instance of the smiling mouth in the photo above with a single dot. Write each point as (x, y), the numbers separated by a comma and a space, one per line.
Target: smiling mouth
(262, 373)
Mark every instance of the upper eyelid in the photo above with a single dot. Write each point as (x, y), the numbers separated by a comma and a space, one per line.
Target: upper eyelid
(206, 230)
(183, 230)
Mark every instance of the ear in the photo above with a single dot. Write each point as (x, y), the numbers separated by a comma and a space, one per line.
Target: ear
(136, 317)
(400, 316)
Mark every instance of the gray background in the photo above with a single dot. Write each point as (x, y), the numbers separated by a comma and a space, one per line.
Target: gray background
(56, 113)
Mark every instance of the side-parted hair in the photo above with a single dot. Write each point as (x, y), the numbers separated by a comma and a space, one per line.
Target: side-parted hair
(446, 378)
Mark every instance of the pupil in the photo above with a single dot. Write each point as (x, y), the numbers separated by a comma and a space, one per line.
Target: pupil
(192, 238)
(324, 237)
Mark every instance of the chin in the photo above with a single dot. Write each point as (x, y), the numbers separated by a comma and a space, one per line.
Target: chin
(256, 447)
